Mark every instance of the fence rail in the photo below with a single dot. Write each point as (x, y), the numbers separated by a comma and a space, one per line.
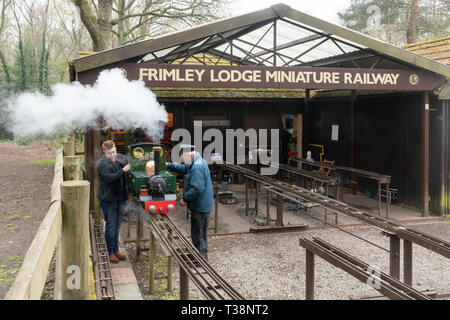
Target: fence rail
(65, 227)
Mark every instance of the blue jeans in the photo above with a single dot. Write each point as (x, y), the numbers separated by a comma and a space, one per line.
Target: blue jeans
(199, 232)
(113, 212)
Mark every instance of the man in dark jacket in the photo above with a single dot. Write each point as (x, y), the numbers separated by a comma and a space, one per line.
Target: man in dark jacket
(198, 195)
(111, 192)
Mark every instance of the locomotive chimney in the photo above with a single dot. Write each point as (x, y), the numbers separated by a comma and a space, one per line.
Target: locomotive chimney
(157, 157)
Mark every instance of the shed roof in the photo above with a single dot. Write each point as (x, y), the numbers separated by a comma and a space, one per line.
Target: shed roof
(436, 49)
(276, 36)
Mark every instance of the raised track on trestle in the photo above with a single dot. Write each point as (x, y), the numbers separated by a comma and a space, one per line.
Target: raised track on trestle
(207, 280)
(430, 242)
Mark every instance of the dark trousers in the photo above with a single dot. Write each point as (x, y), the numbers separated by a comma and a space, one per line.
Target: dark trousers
(199, 232)
(113, 212)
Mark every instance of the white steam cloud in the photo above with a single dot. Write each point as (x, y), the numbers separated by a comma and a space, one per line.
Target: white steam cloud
(123, 104)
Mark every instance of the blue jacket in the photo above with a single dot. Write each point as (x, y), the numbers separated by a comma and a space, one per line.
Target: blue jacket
(199, 192)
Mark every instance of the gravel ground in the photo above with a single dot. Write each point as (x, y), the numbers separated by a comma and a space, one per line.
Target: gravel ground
(272, 266)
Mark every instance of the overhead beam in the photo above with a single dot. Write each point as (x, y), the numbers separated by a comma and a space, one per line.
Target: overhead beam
(214, 42)
(173, 39)
(369, 42)
(291, 44)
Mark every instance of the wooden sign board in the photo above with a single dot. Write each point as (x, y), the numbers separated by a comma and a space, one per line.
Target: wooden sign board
(201, 76)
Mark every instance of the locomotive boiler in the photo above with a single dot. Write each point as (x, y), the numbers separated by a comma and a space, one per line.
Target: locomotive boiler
(149, 181)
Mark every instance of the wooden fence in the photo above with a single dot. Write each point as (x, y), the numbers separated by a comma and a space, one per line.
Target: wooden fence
(66, 227)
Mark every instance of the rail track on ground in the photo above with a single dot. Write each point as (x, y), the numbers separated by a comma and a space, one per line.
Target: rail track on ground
(207, 280)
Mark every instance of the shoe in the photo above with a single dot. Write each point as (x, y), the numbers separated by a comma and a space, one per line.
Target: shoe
(120, 256)
(113, 258)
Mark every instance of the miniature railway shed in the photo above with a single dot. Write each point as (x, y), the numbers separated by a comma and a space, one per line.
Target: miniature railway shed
(391, 105)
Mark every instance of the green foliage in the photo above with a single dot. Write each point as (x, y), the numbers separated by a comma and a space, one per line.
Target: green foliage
(5, 91)
(8, 276)
(43, 84)
(29, 72)
(14, 216)
(394, 17)
(23, 141)
(13, 258)
(20, 67)
(43, 162)
(11, 227)
(5, 68)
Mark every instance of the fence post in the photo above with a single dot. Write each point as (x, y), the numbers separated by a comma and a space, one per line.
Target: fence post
(71, 171)
(69, 146)
(71, 168)
(75, 240)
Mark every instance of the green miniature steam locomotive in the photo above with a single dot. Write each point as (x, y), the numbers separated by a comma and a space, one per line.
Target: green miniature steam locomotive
(149, 179)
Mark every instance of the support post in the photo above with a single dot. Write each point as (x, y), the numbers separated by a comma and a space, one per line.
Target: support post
(394, 256)
(151, 263)
(75, 240)
(425, 152)
(352, 128)
(246, 197)
(388, 199)
(71, 171)
(92, 154)
(407, 262)
(71, 168)
(216, 208)
(268, 207)
(279, 211)
(169, 273)
(379, 198)
(128, 221)
(256, 197)
(138, 236)
(306, 121)
(309, 295)
(169, 266)
(184, 285)
(69, 146)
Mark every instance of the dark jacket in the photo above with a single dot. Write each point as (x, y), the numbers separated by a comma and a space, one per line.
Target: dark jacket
(199, 192)
(111, 182)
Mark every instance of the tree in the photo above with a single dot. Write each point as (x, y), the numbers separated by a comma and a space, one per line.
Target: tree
(133, 20)
(399, 21)
(412, 32)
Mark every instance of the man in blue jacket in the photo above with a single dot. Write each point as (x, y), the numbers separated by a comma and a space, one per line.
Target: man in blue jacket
(198, 195)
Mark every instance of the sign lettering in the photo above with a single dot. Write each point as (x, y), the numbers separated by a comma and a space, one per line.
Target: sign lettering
(200, 76)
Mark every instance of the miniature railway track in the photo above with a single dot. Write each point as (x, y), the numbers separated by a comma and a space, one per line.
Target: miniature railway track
(100, 261)
(386, 284)
(207, 280)
(432, 243)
